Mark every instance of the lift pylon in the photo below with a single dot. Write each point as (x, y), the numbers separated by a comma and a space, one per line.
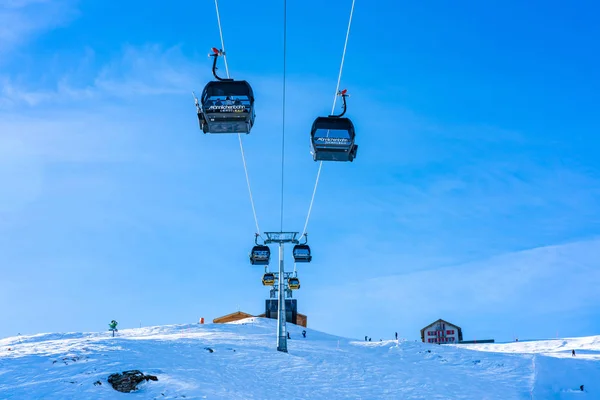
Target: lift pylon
(281, 238)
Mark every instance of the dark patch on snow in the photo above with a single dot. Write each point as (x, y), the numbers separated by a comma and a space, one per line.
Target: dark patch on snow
(129, 380)
(67, 360)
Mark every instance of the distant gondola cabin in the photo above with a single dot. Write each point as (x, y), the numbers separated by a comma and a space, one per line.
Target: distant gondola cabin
(301, 253)
(268, 279)
(294, 283)
(260, 255)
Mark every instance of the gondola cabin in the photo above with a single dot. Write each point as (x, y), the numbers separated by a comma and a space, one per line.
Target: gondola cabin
(332, 139)
(260, 255)
(227, 107)
(294, 283)
(268, 279)
(301, 253)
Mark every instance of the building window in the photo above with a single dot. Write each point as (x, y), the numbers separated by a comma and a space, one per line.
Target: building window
(450, 332)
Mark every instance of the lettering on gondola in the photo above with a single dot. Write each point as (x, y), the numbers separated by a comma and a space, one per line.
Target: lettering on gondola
(333, 140)
(232, 108)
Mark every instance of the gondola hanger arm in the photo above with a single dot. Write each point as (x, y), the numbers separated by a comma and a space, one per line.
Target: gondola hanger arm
(216, 53)
(305, 238)
(344, 94)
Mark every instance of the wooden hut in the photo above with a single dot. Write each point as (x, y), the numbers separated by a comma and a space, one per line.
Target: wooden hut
(236, 316)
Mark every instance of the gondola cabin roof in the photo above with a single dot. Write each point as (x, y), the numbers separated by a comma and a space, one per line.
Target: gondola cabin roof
(302, 248)
(227, 88)
(260, 248)
(333, 123)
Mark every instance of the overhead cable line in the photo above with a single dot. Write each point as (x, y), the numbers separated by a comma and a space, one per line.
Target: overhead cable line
(337, 88)
(239, 135)
(283, 104)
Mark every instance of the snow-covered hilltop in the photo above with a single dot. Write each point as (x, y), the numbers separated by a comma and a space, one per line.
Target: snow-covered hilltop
(239, 361)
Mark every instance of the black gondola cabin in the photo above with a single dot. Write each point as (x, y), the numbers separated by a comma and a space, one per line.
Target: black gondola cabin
(227, 107)
(301, 253)
(260, 255)
(332, 139)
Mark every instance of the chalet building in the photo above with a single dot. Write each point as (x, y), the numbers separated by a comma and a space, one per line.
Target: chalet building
(236, 316)
(441, 331)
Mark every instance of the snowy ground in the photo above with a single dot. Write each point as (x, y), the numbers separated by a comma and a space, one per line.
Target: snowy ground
(246, 365)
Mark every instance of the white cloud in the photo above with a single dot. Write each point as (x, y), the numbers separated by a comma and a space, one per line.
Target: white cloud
(148, 70)
(20, 20)
(21, 3)
(553, 279)
(489, 297)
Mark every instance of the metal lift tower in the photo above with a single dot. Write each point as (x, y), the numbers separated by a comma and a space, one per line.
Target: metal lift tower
(281, 238)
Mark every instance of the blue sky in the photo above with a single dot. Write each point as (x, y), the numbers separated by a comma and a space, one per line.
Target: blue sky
(474, 196)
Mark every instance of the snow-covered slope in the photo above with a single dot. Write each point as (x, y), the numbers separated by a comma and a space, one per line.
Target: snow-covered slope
(244, 364)
(585, 347)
